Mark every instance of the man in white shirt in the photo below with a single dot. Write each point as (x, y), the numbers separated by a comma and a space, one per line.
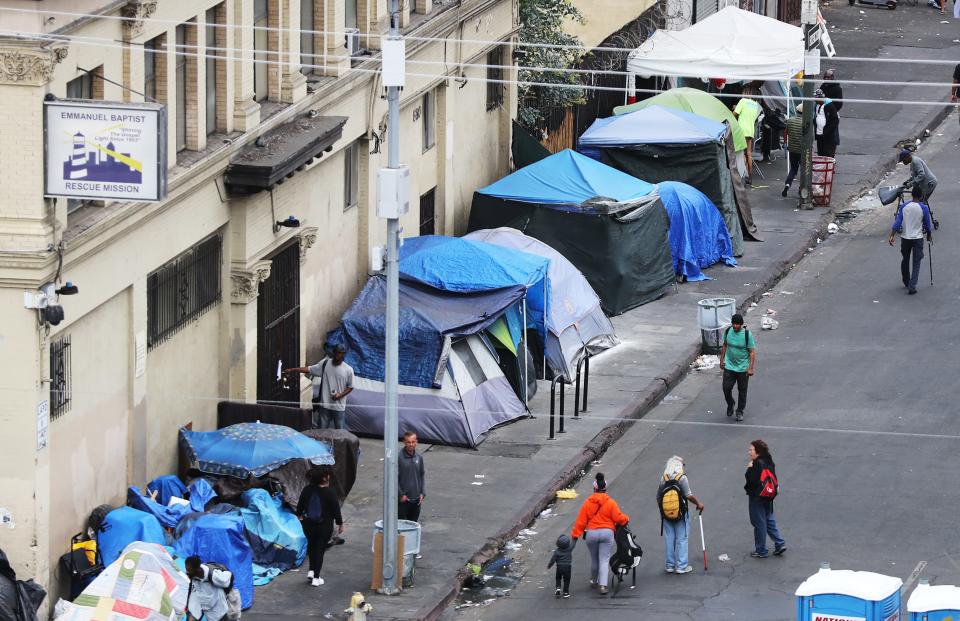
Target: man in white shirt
(332, 382)
(913, 222)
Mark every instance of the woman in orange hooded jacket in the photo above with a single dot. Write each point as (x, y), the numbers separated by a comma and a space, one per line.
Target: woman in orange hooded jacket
(597, 519)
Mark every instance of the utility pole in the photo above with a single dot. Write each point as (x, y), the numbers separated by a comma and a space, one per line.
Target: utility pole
(393, 188)
(811, 31)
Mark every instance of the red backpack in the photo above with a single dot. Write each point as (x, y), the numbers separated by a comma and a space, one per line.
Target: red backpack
(769, 486)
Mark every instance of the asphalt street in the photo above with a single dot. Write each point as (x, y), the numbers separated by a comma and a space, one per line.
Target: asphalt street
(855, 393)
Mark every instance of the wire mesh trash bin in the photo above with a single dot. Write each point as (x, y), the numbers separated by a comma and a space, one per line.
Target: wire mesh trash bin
(411, 546)
(713, 317)
(934, 603)
(822, 181)
(846, 595)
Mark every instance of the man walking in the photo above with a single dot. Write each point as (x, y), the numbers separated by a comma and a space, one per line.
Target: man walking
(747, 111)
(794, 147)
(920, 177)
(912, 222)
(332, 382)
(412, 479)
(673, 496)
(737, 357)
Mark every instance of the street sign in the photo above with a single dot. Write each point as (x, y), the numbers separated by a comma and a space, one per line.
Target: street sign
(43, 423)
(826, 42)
(808, 12)
(812, 37)
(811, 63)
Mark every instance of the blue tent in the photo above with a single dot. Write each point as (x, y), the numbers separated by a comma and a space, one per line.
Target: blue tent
(167, 516)
(167, 486)
(567, 178)
(124, 526)
(460, 265)
(653, 125)
(273, 532)
(222, 539)
(698, 235)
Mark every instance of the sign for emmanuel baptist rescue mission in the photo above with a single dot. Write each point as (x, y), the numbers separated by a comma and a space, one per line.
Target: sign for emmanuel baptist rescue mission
(105, 150)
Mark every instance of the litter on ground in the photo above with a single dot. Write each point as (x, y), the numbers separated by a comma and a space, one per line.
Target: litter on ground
(769, 323)
(705, 362)
(566, 494)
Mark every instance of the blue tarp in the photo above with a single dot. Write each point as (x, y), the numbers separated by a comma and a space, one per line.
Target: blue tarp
(201, 493)
(221, 538)
(653, 125)
(250, 448)
(274, 533)
(124, 526)
(167, 486)
(167, 516)
(427, 315)
(567, 178)
(460, 265)
(698, 235)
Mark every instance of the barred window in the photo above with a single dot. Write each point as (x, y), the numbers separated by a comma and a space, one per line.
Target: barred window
(60, 391)
(183, 290)
(495, 78)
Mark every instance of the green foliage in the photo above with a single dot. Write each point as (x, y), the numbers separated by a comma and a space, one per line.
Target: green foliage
(542, 21)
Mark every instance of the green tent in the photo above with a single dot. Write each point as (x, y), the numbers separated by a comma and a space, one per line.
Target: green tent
(697, 102)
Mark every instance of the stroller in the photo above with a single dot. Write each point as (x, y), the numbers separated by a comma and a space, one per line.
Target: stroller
(626, 557)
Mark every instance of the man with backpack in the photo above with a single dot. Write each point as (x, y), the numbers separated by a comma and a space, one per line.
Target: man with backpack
(673, 496)
(762, 487)
(737, 357)
(211, 592)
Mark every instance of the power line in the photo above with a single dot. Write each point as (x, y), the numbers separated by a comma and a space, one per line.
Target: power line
(110, 43)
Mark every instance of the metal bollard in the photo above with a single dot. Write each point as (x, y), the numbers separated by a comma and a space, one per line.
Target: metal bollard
(563, 389)
(586, 381)
(553, 407)
(358, 608)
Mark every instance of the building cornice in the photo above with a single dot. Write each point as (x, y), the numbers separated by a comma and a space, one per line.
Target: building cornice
(135, 13)
(245, 281)
(29, 65)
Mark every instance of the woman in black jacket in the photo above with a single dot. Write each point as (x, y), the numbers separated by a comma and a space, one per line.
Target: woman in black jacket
(761, 509)
(318, 509)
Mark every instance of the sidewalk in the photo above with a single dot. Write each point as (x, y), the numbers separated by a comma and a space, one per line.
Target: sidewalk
(519, 466)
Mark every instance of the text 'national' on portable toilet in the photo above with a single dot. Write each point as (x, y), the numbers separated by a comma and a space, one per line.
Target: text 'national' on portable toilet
(844, 595)
(934, 603)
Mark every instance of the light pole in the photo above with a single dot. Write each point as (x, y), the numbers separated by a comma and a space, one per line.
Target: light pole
(811, 31)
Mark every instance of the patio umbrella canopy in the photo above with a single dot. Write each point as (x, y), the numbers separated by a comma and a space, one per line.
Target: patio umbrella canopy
(250, 448)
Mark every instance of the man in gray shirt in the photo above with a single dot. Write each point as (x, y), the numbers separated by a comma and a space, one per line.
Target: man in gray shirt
(332, 382)
(412, 479)
(920, 177)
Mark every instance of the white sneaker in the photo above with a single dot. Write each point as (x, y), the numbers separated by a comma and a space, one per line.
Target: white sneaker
(317, 581)
(310, 575)
(685, 570)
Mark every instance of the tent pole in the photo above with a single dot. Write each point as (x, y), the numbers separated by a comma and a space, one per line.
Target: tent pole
(545, 305)
(523, 362)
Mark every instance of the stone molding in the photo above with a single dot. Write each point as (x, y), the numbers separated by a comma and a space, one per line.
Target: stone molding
(246, 281)
(308, 237)
(135, 13)
(29, 66)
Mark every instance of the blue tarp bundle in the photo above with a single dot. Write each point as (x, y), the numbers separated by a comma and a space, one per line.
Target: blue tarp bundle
(124, 526)
(460, 265)
(201, 493)
(274, 533)
(567, 178)
(167, 516)
(221, 538)
(426, 317)
(167, 486)
(653, 125)
(698, 235)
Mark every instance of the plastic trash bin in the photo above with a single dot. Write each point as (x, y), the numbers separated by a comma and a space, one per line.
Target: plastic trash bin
(822, 182)
(411, 546)
(713, 317)
(845, 595)
(934, 603)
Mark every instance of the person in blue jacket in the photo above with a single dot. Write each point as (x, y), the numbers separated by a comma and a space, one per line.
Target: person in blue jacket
(913, 222)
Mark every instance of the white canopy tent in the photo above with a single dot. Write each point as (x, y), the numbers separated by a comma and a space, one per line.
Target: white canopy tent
(732, 44)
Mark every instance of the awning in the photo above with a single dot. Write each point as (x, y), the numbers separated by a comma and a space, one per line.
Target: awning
(282, 152)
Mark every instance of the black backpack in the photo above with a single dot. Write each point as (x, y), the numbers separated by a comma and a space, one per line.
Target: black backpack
(746, 336)
(627, 555)
(314, 509)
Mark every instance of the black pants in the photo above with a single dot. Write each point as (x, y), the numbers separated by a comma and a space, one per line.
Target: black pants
(740, 379)
(826, 148)
(409, 510)
(563, 576)
(911, 248)
(795, 161)
(318, 536)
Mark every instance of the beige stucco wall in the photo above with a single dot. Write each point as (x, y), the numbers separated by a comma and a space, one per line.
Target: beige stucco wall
(602, 18)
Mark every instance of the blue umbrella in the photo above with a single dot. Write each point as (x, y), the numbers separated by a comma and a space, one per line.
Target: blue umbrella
(250, 448)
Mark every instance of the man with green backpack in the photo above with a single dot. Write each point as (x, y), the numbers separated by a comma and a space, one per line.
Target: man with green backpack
(672, 499)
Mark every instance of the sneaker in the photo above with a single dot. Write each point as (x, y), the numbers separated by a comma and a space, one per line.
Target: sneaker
(310, 575)
(557, 594)
(685, 570)
(603, 589)
(936, 225)
(759, 554)
(912, 292)
(566, 596)
(780, 550)
(739, 416)
(593, 584)
(669, 570)
(729, 410)
(786, 188)
(317, 582)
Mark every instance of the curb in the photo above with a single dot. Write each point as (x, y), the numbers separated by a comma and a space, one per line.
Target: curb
(654, 391)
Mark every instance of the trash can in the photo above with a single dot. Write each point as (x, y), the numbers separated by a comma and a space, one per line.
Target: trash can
(411, 546)
(822, 181)
(934, 603)
(846, 595)
(713, 317)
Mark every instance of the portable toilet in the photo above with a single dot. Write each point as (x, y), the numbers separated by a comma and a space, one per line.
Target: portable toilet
(934, 603)
(845, 595)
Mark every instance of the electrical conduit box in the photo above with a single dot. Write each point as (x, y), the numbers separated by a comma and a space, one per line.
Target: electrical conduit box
(393, 192)
(934, 603)
(845, 595)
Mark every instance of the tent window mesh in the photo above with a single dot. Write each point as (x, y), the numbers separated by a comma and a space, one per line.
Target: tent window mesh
(469, 360)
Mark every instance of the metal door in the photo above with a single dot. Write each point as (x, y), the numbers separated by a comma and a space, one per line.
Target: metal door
(278, 328)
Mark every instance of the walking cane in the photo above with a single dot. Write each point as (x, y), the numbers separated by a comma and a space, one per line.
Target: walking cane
(703, 545)
(930, 252)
